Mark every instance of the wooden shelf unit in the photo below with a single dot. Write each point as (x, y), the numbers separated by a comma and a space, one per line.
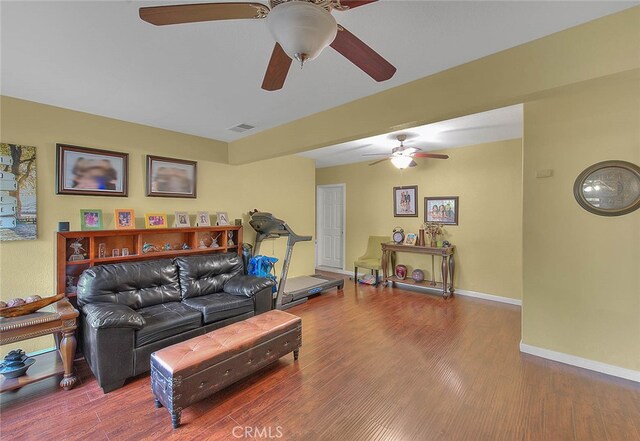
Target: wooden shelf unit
(134, 241)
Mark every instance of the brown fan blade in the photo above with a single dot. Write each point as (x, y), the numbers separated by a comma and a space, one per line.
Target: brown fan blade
(354, 50)
(277, 70)
(355, 3)
(379, 161)
(430, 155)
(175, 14)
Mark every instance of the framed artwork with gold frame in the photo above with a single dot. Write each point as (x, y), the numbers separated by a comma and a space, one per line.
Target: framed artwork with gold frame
(155, 220)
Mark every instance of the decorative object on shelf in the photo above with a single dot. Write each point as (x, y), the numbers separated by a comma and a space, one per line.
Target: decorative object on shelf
(171, 177)
(433, 230)
(18, 307)
(102, 250)
(125, 251)
(223, 218)
(115, 252)
(18, 214)
(609, 188)
(410, 239)
(182, 219)
(398, 235)
(149, 248)
(446, 244)
(203, 219)
(167, 247)
(237, 222)
(417, 275)
(420, 242)
(16, 364)
(202, 245)
(63, 226)
(401, 272)
(125, 219)
(230, 242)
(405, 201)
(214, 242)
(443, 210)
(91, 219)
(185, 247)
(76, 246)
(86, 171)
(155, 220)
(71, 284)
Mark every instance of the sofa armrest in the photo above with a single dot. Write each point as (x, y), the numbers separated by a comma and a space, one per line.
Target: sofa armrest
(247, 286)
(111, 315)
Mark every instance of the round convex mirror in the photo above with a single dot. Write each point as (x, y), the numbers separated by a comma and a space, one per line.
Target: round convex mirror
(609, 188)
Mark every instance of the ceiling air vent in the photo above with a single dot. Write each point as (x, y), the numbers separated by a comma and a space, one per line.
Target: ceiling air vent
(241, 128)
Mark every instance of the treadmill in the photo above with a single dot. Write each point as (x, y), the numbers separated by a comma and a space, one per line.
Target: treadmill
(297, 290)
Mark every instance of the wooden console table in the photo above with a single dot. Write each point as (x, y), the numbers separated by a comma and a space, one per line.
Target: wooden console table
(58, 319)
(447, 267)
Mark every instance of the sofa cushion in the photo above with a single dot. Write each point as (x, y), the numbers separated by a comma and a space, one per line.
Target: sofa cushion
(220, 305)
(206, 274)
(165, 320)
(134, 284)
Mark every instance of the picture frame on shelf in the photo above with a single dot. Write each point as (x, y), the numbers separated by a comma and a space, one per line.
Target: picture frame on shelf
(203, 219)
(155, 220)
(410, 239)
(91, 172)
(405, 201)
(171, 177)
(223, 218)
(182, 219)
(90, 219)
(442, 209)
(125, 219)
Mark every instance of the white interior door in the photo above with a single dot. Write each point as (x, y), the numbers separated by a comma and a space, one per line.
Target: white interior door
(330, 202)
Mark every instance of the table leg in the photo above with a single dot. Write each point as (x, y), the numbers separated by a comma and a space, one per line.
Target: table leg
(385, 264)
(67, 352)
(444, 271)
(452, 267)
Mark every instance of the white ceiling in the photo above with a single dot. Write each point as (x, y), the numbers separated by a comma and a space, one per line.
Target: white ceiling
(494, 125)
(203, 78)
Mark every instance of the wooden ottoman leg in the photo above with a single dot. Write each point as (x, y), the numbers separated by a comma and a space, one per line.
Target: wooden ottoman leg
(175, 418)
(295, 353)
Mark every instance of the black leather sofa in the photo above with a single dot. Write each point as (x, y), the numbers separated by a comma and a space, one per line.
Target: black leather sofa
(130, 310)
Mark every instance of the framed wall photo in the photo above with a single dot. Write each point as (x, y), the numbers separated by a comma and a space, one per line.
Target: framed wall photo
(182, 219)
(125, 219)
(405, 201)
(223, 218)
(171, 178)
(90, 172)
(155, 220)
(443, 210)
(90, 219)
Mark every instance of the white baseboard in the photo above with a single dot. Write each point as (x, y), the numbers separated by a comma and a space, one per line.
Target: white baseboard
(616, 371)
(339, 271)
(481, 295)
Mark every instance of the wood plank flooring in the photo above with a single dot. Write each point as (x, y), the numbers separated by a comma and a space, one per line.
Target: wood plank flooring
(376, 364)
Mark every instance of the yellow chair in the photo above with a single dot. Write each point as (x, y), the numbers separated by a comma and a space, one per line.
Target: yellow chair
(372, 258)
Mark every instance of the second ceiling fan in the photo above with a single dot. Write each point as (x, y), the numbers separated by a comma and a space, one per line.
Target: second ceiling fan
(301, 28)
(402, 157)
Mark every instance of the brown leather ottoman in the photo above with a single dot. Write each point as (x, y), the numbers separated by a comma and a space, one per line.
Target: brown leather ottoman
(187, 372)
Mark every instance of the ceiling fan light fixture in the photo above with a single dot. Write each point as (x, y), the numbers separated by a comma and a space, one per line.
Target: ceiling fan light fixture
(303, 29)
(401, 161)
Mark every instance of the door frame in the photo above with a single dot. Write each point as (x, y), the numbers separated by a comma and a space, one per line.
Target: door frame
(319, 213)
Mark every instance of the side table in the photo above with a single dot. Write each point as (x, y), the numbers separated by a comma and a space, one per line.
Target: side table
(58, 319)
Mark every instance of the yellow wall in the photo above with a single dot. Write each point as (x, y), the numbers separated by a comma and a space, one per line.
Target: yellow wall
(592, 50)
(27, 267)
(488, 238)
(581, 271)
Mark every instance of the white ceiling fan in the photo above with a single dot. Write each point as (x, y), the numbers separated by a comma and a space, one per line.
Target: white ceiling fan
(403, 157)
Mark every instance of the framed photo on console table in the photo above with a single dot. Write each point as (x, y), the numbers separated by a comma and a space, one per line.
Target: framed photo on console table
(90, 172)
(443, 210)
(171, 178)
